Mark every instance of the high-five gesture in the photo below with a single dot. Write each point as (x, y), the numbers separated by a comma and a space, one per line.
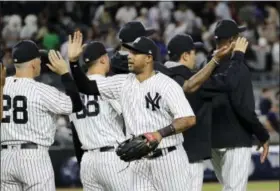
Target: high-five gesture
(75, 47)
(58, 64)
(223, 51)
(241, 44)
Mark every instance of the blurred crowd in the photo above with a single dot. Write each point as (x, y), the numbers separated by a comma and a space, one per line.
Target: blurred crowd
(49, 23)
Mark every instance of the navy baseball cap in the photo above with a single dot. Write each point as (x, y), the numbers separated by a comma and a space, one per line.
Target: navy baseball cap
(143, 45)
(132, 30)
(227, 28)
(93, 51)
(25, 51)
(182, 43)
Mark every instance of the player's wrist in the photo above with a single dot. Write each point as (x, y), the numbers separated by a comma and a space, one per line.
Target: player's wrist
(216, 61)
(167, 131)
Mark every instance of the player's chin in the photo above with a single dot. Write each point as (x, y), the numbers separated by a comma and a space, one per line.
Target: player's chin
(130, 68)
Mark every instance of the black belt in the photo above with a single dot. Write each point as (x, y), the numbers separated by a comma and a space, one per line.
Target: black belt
(159, 152)
(103, 149)
(22, 146)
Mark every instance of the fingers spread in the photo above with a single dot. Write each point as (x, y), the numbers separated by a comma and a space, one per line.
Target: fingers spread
(59, 55)
(51, 67)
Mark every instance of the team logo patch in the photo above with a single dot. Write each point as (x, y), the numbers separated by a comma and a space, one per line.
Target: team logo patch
(152, 103)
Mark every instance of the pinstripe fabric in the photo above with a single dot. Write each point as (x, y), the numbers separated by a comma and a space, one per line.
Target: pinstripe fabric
(103, 171)
(196, 173)
(231, 166)
(43, 102)
(166, 173)
(103, 129)
(29, 116)
(28, 169)
(100, 170)
(141, 118)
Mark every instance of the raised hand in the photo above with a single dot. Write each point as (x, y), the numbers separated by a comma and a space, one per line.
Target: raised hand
(58, 64)
(241, 44)
(225, 50)
(75, 47)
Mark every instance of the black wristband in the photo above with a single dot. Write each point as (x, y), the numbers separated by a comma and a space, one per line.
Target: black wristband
(167, 131)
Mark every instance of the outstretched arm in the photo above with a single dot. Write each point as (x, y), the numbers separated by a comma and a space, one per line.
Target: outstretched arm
(200, 77)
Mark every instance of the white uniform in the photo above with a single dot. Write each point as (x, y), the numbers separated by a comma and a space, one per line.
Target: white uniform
(101, 125)
(231, 167)
(147, 107)
(29, 116)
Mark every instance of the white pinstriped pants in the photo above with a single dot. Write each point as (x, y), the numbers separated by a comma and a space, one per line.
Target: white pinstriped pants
(231, 167)
(102, 171)
(196, 173)
(26, 170)
(165, 173)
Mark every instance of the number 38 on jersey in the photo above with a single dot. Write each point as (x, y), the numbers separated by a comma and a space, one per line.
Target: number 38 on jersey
(91, 107)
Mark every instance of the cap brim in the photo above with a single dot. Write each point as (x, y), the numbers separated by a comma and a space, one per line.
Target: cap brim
(133, 48)
(242, 29)
(198, 45)
(150, 32)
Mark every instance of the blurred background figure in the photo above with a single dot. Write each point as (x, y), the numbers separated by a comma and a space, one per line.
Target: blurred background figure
(30, 28)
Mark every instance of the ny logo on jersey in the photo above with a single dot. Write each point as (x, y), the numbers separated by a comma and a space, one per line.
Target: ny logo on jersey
(154, 102)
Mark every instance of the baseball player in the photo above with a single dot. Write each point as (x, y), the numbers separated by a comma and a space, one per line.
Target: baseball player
(99, 126)
(149, 100)
(28, 123)
(181, 50)
(232, 133)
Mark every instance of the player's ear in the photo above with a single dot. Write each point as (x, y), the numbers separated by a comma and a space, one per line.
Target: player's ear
(149, 58)
(185, 56)
(103, 59)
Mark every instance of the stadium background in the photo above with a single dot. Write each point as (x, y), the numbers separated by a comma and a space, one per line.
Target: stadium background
(49, 23)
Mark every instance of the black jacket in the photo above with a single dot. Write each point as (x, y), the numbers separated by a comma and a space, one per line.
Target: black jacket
(197, 140)
(234, 119)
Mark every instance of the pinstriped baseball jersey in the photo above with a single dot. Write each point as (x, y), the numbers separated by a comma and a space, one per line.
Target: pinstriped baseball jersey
(99, 124)
(30, 110)
(149, 105)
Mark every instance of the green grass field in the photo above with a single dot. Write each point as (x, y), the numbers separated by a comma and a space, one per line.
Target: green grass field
(252, 186)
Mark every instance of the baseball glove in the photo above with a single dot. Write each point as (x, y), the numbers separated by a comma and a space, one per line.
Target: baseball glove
(137, 147)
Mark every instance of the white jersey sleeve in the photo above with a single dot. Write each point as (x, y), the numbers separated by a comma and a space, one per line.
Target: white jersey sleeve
(177, 102)
(116, 105)
(55, 101)
(111, 87)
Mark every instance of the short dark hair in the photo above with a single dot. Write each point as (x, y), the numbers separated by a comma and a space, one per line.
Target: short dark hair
(176, 58)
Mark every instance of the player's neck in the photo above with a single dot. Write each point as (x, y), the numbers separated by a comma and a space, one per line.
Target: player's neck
(24, 74)
(188, 65)
(145, 75)
(96, 70)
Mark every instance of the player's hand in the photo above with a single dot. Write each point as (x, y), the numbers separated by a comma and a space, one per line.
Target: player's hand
(223, 51)
(58, 64)
(241, 44)
(75, 47)
(153, 135)
(265, 151)
(3, 74)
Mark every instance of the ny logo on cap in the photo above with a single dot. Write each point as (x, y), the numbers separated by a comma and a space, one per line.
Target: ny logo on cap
(86, 59)
(137, 40)
(15, 60)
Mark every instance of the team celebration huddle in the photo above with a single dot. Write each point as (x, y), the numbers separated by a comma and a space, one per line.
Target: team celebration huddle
(146, 128)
